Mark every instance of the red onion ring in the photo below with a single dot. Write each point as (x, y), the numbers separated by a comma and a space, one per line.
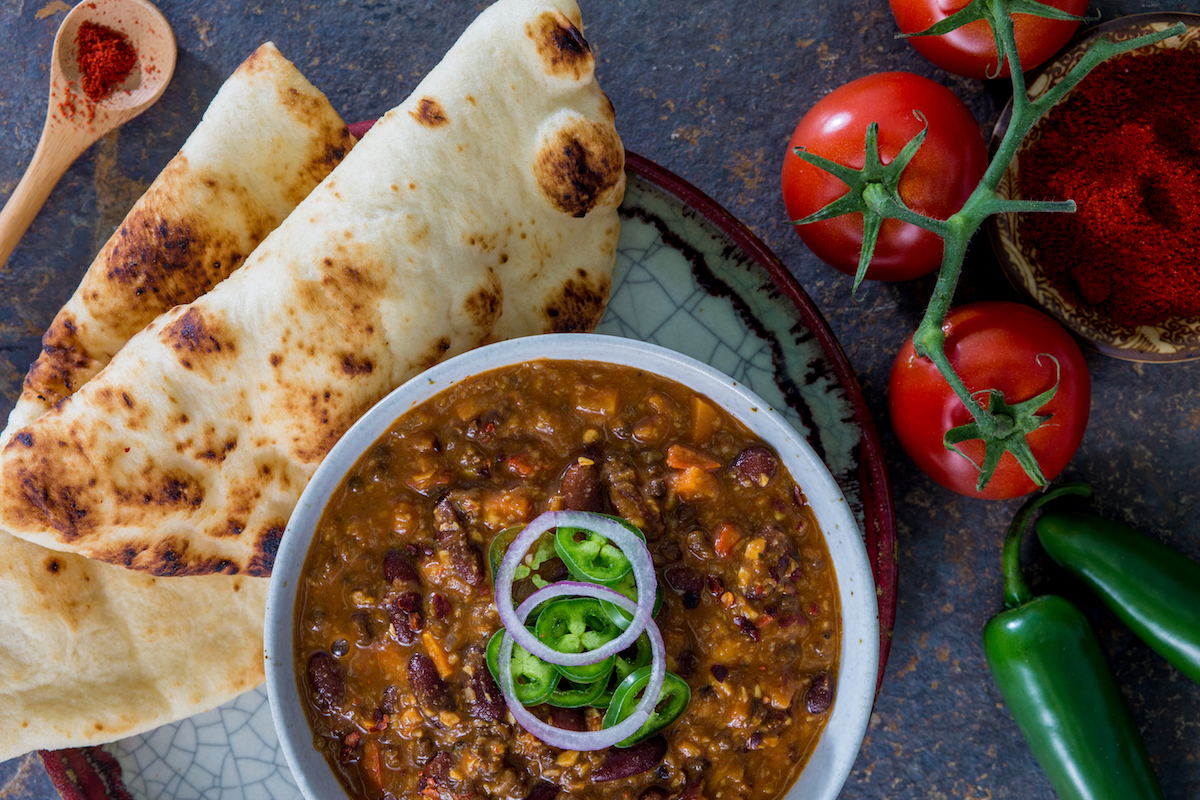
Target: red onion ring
(581, 740)
(643, 573)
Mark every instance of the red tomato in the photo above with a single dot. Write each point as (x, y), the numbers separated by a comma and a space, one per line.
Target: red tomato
(936, 183)
(971, 50)
(992, 345)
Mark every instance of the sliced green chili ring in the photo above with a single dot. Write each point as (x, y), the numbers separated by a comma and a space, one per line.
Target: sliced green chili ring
(576, 625)
(672, 701)
(528, 577)
(628, 587)
(626, 662)
(534, 679)
(569, 694)
(591, 557)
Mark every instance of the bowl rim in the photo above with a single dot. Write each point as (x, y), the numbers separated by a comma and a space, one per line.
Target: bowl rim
(833, 757)
(1001, 227)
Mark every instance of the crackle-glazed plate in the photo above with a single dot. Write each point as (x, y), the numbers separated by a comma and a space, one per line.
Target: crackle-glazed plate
(689, 277)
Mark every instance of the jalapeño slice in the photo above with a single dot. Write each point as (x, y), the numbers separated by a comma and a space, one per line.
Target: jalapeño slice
(634, 657)
(569, 694)
(628, 587)
(672, 700)
(576, 625)
(539, 569)
(534, 680)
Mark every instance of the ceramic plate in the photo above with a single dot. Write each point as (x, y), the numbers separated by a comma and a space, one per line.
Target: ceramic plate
(689, 277)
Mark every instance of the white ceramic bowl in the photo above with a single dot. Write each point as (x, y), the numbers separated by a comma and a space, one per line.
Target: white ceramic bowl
(831, 761)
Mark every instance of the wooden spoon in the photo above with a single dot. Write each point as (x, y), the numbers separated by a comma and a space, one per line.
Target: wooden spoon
(73, 121)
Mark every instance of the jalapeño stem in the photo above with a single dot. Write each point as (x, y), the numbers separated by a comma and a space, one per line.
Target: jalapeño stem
(1016, 591)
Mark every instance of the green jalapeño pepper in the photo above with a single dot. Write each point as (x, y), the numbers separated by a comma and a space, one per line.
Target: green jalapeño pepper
(1152, 588)
(540, 568)
(569, 694)
(636, 656)
(534, 679)
(672, 700)
(576, 625)
(591, 557)
(1059, 688)
(628, 587)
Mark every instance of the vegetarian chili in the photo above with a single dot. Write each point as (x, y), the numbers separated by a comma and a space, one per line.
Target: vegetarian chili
(395, 610)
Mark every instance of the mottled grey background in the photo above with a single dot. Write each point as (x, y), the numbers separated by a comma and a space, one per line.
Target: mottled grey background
(710, 89)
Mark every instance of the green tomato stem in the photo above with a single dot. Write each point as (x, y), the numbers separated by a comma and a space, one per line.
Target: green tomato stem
(929, 339)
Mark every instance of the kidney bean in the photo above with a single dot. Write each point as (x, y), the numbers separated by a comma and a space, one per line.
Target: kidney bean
(683, 579)
(325, 678)
(543, 791)
(435, 776)
(819, 696)
(580, 486)
(405, 614)
(483, 697)
(623, 762)
(428, 686)
(440, 606)
(569, 719)
(685, 663)
(754, 467)
(397, 567)
(747, 627)
(450, 534)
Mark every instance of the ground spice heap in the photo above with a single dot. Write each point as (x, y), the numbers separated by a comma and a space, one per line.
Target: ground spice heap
(106, 58)
(1125, 145)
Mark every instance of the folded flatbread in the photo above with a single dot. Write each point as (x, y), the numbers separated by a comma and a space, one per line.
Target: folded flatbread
(266, 140)
(91, 652)
(484, 206)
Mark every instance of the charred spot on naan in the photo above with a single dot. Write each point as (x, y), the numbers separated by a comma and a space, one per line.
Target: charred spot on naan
(578, 306)
(579, 165)
(265, 550)
(64, 360)
(429, 112)
(197, 339)
(561, 46)
(170, 556)
(483, 306)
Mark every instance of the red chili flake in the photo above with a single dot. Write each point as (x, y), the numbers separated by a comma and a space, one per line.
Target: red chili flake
(106, 58)
(1123, 145)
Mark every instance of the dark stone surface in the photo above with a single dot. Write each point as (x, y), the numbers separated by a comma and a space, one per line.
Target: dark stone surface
(710, 89)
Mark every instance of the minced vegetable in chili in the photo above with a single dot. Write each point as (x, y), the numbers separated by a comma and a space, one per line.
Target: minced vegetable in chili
(1125, 145)
(106, 58)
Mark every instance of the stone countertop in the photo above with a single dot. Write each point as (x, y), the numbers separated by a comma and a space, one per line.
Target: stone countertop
(711, 90)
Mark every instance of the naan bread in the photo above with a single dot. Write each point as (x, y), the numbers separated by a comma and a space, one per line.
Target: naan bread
(266, 140)
(90, 652)
(484, 206)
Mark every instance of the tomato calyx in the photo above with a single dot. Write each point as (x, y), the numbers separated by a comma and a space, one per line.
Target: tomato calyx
(1004, 428)
(993, 12)
(874, 192)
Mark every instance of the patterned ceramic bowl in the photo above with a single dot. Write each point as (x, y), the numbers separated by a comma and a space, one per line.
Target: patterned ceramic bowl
(1176, 339)
(831, 761)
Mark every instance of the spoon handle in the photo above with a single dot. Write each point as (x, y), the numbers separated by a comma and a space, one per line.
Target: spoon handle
(50, 160)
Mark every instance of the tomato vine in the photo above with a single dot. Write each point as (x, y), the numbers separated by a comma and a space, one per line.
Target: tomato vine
(873, 192)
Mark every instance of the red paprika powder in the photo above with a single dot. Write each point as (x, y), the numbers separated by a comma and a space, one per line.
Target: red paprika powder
(106, 58)
(1125, 145)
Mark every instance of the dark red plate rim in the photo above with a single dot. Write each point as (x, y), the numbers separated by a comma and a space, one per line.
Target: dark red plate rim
(90, 773)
